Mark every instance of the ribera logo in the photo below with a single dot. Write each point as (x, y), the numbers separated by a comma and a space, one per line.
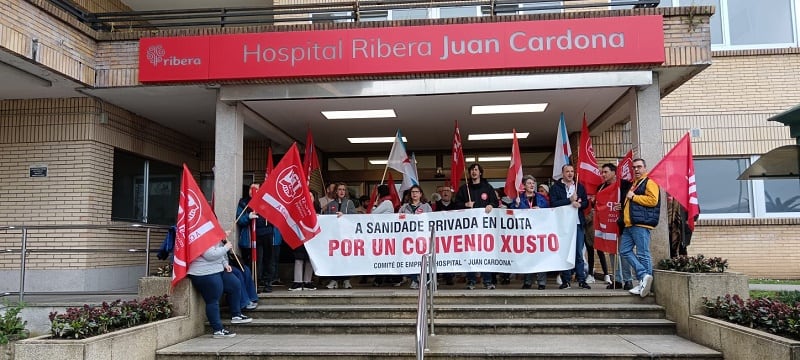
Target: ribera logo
(156, 55)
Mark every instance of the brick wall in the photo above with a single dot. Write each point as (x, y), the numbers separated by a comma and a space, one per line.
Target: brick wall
(62, 47)
(78, 149)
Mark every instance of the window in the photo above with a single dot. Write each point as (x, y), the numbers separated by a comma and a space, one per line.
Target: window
(540, 7)
(408, 14)
(435, 13)
(721, 196)
(133, 178)
(747, 24)
(718, 191)
(333, 17)
(782, 195)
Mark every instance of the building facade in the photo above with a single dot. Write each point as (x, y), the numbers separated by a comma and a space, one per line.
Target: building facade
(112, 154)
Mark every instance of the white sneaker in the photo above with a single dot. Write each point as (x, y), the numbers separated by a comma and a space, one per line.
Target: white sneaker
(332, 285)
(414, 285)
(558, 279)
(241, 319)
(646, 283)
(607, 279)
(590, 279)
(346, 284)
(637, 290)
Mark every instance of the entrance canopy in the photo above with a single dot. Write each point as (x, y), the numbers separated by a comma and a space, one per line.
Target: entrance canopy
(783, 162)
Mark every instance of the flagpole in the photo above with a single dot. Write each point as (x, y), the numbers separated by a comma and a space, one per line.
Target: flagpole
(466, 183)
(253, 251)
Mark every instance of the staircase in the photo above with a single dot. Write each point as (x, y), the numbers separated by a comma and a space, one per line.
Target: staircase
(368, 323)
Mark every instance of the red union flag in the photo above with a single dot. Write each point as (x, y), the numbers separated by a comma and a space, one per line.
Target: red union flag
(458, 163)
(675, 174)
(606, 230)
(285, 201)
(588, 172)
(514, 177)
(198, 228)
(310, 160)
(625, 167)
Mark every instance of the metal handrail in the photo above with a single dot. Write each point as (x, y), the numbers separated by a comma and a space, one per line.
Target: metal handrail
(425, 314)
(24, 251)
(355, 10)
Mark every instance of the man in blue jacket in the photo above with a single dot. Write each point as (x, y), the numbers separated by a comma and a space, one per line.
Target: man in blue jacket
(568, 192)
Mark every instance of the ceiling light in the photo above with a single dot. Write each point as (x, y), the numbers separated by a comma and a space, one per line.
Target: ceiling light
(359, 114)
(488, 158)
(498, 136)
(374, 140)
(379, 162)
(508, 109)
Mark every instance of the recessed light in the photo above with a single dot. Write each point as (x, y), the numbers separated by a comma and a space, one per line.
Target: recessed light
(374, 140)
(379, 162)
(488, 158)
(359, 114)
(498, 136)
(508, 109)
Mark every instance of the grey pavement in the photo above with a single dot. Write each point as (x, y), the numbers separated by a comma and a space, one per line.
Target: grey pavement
(774, 287)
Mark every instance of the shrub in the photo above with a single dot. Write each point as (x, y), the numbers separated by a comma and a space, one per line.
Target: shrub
(164, 271)
(88, 321)
(12, 327)
(691, 264)
(764, 314)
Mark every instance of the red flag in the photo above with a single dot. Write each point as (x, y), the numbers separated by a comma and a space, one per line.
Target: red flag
(514, 178)
(606, 230)
(625, 167)
(458, 163)
(198, 228)
(675, 174)
(310, 160)
(286, 202)
(372, 197)
(393, 193)
(588, 172)
(269, 164)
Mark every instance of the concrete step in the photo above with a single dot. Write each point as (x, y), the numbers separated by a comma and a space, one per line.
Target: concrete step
(382, 296)
(456, 347)
(446, 311)
(456, 326)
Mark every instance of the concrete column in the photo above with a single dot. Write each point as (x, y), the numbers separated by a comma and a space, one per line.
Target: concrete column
(646, 136)
(228, 149)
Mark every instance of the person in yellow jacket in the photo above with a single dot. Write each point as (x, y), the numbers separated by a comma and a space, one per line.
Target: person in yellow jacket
(640, 213)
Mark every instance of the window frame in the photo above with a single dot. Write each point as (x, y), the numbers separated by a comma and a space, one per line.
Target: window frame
(726, 34)
(758, 202)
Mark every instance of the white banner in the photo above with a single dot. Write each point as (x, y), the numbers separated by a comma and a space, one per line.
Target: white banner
(508, 241)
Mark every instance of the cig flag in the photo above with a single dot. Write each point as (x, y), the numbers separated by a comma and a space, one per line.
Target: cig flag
(563, 151)
(399, 160)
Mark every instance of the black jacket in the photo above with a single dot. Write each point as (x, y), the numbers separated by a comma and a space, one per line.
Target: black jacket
(558, 197)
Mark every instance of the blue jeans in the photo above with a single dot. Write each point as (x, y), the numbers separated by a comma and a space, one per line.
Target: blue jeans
(211, 288)
(622, 271)
(486, 277)
(640, 238)
(272, 265)
(579, 264)
(249, 292)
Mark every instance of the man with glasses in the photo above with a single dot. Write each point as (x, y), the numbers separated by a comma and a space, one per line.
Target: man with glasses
(640, 212)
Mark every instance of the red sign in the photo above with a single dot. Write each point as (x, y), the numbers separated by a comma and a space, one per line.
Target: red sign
(407, 49)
